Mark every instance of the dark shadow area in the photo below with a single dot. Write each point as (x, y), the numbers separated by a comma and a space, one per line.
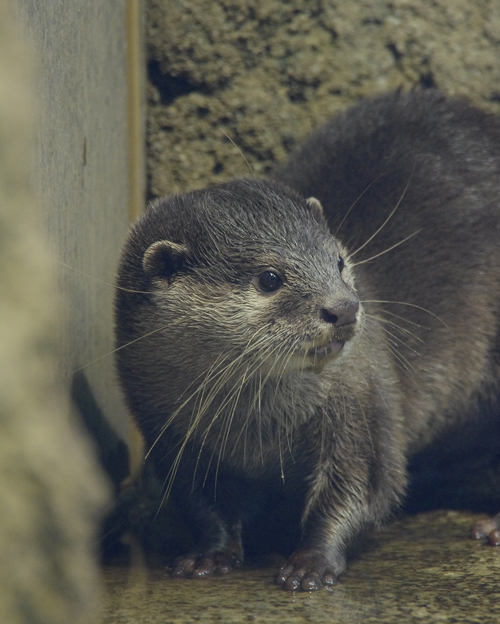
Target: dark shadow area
(112, 452)
(138, 508)
(171, 87)
(460, 471)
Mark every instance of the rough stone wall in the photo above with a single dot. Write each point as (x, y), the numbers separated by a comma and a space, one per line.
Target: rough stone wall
(263, 73)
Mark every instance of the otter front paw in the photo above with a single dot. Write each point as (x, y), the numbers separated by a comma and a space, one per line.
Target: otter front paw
(200, 566)
(489, 528)
(306, 570)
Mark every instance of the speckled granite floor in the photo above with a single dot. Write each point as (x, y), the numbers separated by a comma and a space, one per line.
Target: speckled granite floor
(418, 569)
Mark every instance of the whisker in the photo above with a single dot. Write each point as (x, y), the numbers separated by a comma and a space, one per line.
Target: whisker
(223, 376)
(288, 431)
(406, 332)
(232, 395)
(97, 279)
(275, 353)
(402, 318)
(258, 365)
(367, 426)
(411, 305)
(229, 421)
(239, 150)
(257, 398)
(388, 218)
(357, 200)
(392, 344)
(398, 342)
(208, 378)
(118, 349)
(179, 409)
(386, 250)
(401, 359)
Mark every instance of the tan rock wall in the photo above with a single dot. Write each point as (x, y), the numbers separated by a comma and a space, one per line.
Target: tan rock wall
(265, 72)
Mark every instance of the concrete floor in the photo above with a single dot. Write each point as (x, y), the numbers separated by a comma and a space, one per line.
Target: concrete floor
(418, 569)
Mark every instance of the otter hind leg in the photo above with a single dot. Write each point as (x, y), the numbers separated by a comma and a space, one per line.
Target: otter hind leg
(220, 559)
(215, 525)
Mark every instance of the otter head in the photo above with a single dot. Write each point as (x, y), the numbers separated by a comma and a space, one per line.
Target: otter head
(243, 277)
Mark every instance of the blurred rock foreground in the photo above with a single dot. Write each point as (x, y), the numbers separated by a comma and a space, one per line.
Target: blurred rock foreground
(51, 491)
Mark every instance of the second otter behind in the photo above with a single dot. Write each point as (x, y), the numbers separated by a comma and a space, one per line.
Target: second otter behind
(285, 360)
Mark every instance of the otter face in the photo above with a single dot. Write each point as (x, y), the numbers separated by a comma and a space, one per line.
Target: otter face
(274, 293)
(314, 315)
(342, 317)
(233, 301)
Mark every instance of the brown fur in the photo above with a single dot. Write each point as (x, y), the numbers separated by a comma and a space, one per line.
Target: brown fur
(244, 416)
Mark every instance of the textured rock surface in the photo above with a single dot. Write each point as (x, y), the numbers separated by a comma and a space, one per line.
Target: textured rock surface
(420, 569)
(263, 73)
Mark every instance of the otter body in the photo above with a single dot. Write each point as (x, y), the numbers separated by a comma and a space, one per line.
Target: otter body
(297, 339)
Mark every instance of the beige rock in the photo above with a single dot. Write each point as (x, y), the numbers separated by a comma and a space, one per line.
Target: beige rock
(266, 72)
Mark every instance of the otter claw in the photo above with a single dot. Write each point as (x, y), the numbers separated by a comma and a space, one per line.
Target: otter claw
(201, 566)
(489, 528)
(306, 571)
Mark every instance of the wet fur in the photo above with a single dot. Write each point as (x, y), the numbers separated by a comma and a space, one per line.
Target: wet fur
(236, 421)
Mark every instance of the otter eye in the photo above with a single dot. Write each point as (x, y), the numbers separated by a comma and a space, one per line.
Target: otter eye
(340, 264)
(269, 281)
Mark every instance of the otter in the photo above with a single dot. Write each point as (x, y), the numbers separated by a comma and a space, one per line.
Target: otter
(287, 344)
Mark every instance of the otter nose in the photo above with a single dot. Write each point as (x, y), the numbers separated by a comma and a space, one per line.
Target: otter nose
(344, 313)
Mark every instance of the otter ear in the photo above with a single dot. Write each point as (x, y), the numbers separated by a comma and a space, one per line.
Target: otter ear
(163, 258)
(315, 207)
